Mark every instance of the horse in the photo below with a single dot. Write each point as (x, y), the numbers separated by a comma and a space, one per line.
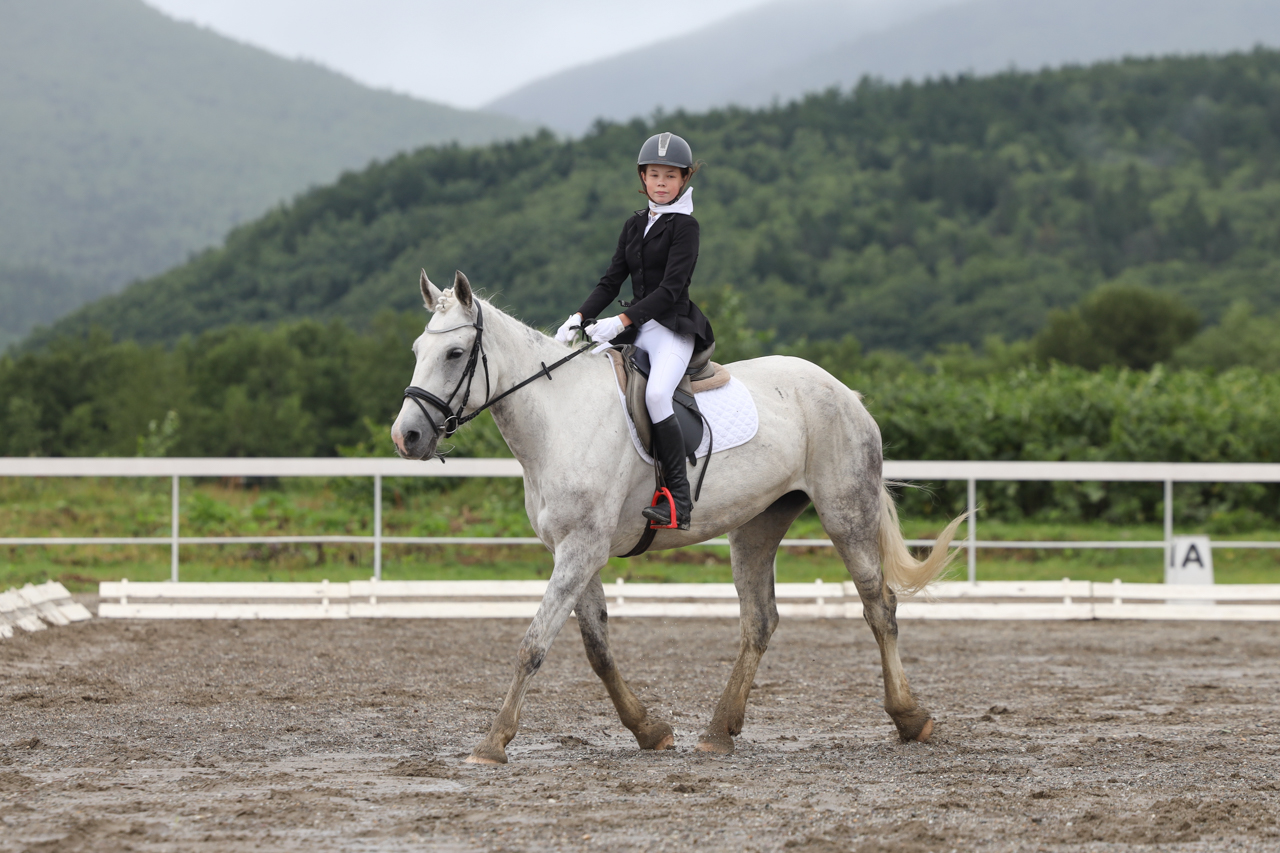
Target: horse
(585, 485)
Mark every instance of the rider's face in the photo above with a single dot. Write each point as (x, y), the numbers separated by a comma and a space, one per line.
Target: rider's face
(662, 183)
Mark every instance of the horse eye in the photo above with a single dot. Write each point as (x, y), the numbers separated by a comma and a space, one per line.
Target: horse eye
(454, 353)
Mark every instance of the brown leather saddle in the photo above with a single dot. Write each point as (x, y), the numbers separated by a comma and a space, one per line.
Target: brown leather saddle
(631, 366)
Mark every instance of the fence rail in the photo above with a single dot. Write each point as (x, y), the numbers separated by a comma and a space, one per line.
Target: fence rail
(1003, 600)
(1167, 473)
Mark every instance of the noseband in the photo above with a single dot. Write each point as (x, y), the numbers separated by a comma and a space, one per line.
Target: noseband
(454, 419)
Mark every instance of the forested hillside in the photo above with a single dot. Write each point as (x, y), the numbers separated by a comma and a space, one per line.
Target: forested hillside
(128, 140)
(910, 216)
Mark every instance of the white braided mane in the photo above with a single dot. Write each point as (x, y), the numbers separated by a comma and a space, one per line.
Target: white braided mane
(445, 302)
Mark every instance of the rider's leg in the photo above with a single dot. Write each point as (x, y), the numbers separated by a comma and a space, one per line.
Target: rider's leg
(669, 354)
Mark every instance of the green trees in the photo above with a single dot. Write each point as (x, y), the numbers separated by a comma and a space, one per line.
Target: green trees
(911, 216)
(300, 389)
(1123, 325)
(1242, 338)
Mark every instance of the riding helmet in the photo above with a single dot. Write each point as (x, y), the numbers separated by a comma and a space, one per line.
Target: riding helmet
(666, 149)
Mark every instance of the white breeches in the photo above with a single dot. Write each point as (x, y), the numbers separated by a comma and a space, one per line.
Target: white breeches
(669, 354)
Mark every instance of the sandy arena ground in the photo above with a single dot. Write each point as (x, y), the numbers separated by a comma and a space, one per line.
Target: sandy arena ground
(224, 736)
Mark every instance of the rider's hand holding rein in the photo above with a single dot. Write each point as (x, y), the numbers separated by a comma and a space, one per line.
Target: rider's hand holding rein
(566, 332)
(604, 331)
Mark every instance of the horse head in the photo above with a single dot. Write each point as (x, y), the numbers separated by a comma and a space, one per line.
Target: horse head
(447, 355)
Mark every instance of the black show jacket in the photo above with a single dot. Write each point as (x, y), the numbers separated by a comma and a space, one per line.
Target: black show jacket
(660, 265)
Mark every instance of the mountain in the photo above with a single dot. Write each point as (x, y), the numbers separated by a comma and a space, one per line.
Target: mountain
(704, 69)
(783, 50)
(910, 216)
(993, 35)
(131, 140)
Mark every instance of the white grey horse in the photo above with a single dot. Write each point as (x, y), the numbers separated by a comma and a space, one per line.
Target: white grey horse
(585, 486)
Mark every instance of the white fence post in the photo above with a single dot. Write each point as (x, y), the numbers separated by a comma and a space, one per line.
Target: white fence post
(377, 527)
(973, 530)
(173, 548)
(1168, 521)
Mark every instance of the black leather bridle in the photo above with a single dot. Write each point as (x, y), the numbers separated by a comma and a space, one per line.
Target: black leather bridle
(455, 419)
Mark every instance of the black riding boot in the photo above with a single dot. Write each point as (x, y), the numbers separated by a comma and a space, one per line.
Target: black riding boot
(668, 449)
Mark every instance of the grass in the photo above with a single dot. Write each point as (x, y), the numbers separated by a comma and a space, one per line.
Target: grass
(125, 507)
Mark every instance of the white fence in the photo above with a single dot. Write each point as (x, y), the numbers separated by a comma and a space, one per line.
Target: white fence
(1032, 600)
(377, 469)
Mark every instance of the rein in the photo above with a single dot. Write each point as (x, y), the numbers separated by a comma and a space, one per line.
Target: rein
(455, 419)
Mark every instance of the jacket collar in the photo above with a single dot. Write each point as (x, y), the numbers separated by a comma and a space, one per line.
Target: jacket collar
(658, 227)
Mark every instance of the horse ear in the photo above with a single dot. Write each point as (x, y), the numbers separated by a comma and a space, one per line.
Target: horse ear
(430, 293)
(462, 289)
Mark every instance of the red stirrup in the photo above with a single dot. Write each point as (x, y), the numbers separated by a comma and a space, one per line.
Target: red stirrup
(671, 507)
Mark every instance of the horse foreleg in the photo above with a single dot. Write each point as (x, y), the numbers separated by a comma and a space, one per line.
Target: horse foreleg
(752, 548)
(565, 588)
(593, 621)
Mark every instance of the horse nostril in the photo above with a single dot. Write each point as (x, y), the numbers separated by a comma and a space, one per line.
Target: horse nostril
(411, 437)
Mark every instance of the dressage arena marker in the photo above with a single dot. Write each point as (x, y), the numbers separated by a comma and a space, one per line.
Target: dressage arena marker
(30, 607)
(999, 600)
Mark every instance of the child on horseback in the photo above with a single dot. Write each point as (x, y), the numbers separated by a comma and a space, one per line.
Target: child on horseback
(658, 249)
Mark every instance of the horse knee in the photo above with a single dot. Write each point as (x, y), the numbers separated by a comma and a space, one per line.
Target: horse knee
(529, 658)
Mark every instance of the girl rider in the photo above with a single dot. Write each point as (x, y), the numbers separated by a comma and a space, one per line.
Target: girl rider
(658, 248)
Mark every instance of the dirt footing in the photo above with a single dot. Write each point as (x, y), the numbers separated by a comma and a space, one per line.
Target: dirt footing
(351, 735)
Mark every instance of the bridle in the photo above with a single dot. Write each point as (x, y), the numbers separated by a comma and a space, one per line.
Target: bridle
(455, 419)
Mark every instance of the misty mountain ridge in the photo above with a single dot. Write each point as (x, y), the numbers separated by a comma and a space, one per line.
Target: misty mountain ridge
(132, 140)
(783, 50)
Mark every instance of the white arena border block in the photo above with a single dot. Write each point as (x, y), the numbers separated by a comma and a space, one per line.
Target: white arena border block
(264, 600)
(957, 600)
(30, 607)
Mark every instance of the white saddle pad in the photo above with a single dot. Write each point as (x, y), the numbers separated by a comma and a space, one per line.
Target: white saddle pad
(729, 410)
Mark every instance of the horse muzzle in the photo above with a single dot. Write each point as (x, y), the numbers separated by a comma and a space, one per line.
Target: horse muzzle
(413, 435)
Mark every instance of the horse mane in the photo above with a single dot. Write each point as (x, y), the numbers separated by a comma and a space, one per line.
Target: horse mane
(448, 300)
(445, 302)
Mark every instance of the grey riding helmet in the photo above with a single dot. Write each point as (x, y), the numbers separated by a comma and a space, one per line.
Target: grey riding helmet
(665, 149)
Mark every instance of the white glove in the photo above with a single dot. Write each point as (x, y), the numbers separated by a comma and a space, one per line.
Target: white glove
(603, 331)
(566, 332)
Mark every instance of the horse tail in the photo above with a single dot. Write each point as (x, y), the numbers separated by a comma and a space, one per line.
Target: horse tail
(902, 573)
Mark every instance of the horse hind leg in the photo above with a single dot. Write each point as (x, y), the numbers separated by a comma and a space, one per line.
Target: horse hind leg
(854, 521)
(593, 621)
(752, 548)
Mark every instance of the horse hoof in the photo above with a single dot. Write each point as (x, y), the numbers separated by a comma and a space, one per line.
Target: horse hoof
(657, 737)
(915, 725)
(719, 743)
(483, 757)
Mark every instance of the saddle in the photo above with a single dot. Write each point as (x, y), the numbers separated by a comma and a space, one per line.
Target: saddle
(631, 365)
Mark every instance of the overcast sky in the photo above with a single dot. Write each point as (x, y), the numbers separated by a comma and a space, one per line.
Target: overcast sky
(459, 52)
